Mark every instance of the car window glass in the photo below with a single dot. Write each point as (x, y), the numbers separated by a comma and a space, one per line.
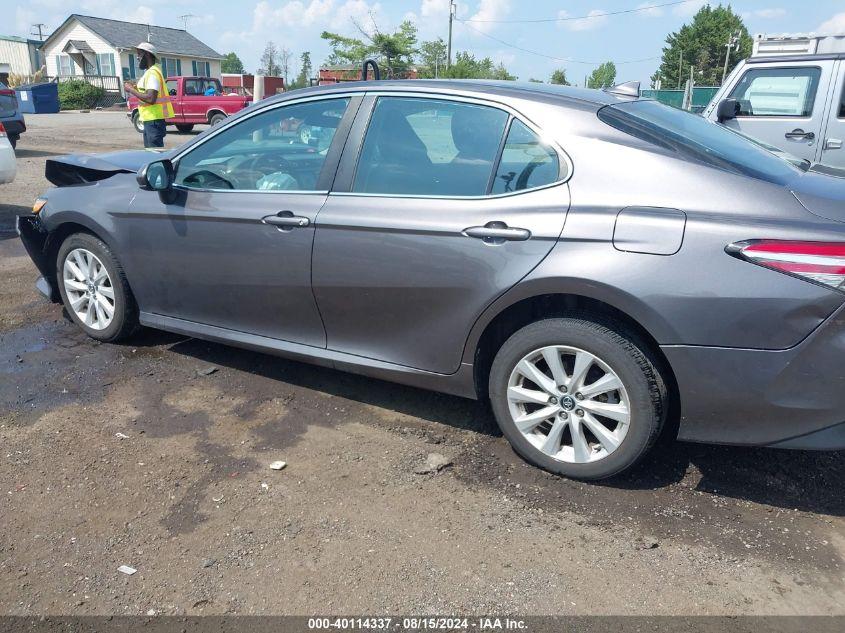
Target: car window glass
(526, 162)
(429, 147)
(842, 102)
(777, 91)
(171, 87)
(692, 137)
(265, 152)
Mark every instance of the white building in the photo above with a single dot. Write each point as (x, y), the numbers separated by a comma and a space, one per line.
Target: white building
(102, 51)
(20, 53)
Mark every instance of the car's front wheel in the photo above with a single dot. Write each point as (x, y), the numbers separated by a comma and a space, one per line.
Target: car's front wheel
(137, 123)
(94, 288)
(577, 397)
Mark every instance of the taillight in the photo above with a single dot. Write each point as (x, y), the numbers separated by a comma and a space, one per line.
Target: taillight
(7, 93)
(2, 130)
(818, 262)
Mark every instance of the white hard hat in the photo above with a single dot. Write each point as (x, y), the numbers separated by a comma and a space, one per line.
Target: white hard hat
(146, 46)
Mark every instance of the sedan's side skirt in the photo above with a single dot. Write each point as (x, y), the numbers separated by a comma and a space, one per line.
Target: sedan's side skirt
(459, 384)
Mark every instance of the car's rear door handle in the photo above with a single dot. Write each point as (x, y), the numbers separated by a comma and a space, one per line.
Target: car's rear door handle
(497, 233)
(799, 133)
(833, 143)
(286, 219)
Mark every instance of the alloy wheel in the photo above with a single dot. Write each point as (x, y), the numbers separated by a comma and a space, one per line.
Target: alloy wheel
(89, 289)
(569, 404)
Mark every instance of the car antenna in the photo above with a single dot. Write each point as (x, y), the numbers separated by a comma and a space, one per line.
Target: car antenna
(627, 89)
(376, 72)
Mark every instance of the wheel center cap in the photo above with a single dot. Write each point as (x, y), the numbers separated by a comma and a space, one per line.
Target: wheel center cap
(567, 403)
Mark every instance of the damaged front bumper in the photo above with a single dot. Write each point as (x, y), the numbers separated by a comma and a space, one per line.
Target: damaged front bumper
(36, 241)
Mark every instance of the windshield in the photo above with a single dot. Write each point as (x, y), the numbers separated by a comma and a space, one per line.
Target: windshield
(693, 137)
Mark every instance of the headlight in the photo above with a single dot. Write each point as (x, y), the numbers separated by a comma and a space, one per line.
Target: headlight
(38, 205)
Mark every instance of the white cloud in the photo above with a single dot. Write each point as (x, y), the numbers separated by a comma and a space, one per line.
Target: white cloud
(597, 20)
(290, 14)
(689, 9)
(433, 8)
(24, 19)
(769, 14)
(650, 10)
(489, 10)
(835, 25)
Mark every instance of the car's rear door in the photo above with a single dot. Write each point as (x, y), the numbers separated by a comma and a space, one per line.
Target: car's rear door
(833, 143)
(785, 104)
(426, 225)
(233, 250)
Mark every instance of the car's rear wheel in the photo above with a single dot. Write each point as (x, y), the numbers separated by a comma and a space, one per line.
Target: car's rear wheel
(94, 288)
(216, 118)
(184, 128)
(137, 123)
(577, 398)
(305, 134)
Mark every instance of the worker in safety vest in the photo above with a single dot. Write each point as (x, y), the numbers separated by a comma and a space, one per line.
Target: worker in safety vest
(151, 91)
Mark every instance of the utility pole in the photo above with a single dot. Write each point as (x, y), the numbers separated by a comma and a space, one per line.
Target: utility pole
(680, 67)
(449, 46)
(38, 27)
(733, 42)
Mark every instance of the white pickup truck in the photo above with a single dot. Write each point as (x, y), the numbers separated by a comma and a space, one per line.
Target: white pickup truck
(790, 94)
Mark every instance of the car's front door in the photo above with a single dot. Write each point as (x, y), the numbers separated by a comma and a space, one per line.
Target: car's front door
(233, 250)
(451, 203)
(784, 106)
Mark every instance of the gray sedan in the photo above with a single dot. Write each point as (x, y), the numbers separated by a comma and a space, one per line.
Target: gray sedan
(604, 269)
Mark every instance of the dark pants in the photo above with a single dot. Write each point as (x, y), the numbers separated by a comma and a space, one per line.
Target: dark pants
(154, 132)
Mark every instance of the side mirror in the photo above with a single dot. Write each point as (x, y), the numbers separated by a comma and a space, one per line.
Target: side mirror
(156, 176)
(727, 109)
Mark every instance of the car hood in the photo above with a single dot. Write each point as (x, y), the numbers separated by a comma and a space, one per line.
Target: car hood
(76, 169)
(822, 194)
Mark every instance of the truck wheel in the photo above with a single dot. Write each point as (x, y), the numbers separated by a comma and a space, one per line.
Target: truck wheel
(137, 123)
(216, 118)
(577, 397)
(184, 128)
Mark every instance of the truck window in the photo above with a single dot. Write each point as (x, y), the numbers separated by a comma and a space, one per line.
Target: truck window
(789, 92)
(171, 87)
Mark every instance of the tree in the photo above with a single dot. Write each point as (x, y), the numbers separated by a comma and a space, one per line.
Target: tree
(559, 77)
(394, 52)
(702, 45)
(432, 57)
(232, 64)
(284, 63)
(466, 66)
(303, 79)
(270, 64)
(603, 77)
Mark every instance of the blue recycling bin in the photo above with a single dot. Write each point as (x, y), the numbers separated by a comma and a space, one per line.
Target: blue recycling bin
(38, 98)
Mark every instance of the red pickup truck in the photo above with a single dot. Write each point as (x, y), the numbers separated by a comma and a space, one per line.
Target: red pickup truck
(195, 100)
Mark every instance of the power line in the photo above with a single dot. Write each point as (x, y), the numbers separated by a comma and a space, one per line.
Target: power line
(552, 57)
(650, 7)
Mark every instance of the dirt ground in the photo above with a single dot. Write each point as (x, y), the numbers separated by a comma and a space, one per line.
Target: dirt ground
(188, 498)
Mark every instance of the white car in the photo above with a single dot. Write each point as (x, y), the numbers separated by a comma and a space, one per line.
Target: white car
(8, 164)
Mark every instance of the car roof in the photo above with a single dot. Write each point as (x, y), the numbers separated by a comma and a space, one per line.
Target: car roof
(581, 97)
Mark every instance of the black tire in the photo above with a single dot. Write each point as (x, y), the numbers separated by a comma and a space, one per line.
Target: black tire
(125, 320)
(184, 128)
(137, 123)
(216, 118)
(629, 359)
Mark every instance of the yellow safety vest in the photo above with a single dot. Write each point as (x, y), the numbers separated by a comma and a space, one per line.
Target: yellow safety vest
(162, 108)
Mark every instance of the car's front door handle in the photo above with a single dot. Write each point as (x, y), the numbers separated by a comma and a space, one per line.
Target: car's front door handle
(497, 233)
(286, 219)
(799, 133)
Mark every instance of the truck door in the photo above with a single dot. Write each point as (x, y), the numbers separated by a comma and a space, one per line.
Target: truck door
(784, 104)
(833, 152)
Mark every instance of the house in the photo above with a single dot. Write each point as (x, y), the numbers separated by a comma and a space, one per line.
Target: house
(102, 51)
(21, 54)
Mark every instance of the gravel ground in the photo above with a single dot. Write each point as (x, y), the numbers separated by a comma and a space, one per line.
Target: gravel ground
(185, 494)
